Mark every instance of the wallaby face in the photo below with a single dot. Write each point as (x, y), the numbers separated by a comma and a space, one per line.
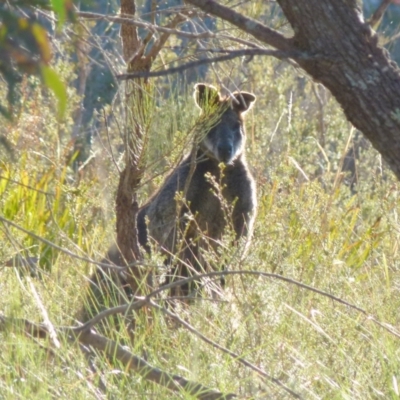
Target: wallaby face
(226, 139)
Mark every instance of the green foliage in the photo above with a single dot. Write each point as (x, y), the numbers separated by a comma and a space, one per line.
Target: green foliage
(36, 185)
(53, 82)
(63, 9)
(41, 202)
(25, 48)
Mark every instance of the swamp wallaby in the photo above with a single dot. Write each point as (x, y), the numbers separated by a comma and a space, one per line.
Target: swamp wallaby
(216, 189)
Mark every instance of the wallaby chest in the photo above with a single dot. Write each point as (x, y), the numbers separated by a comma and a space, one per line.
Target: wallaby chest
(213, 194)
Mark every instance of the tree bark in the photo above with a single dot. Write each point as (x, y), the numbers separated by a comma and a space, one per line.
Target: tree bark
(139, 56)
(134, 132)
(341, 51)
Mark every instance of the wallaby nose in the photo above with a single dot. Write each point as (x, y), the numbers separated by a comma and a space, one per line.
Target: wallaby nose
(225, 152)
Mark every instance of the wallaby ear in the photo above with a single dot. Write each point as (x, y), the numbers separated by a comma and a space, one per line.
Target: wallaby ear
(243, 101)
(206, 96)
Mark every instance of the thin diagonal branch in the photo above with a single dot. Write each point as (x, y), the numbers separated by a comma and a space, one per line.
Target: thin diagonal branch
(246, 24)
(173, 382)
(132, 306)
(62, 249)
(230, 56)
(27, 186)
(159, 44)
(50, 327)
(125, 20)
(218, 274)
(115, 351)
(234, 355)
(164, 29)
(378, 14)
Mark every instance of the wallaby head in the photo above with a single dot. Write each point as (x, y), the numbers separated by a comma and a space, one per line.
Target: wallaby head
(225, 140)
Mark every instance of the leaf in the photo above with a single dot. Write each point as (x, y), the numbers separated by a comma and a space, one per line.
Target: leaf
(59, 9)
(3, 32)
(54, 83)
(64, 10)
(42, 41)
(23, 23)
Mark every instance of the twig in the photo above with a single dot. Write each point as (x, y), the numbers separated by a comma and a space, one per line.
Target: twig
(126, 20)
(27, 186)
(46, 319)
(110, 150)
(167, 29)
(279, 277)
(209, 274)
(232, 54)
(199, 276)
(378, 14)
(159, 44)
(70, 253)
(234, 355)
(297, 166)
(255, 273)
(141, 302)
(248, 25)
(124, 309)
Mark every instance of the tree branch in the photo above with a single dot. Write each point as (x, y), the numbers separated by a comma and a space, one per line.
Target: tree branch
(114, 351)
(159, 44)
(143, 301)
(230, 56)
(378, 14)
(165, 29)
(129, 36)
(248, 25)
(146, 25)
(123, 309)
(218, 274)
(136, 305)
(173, 382)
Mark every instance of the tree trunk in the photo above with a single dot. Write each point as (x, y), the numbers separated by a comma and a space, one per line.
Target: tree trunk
(136, 109)
(349, 62)
(139, 56)
(340, 51)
